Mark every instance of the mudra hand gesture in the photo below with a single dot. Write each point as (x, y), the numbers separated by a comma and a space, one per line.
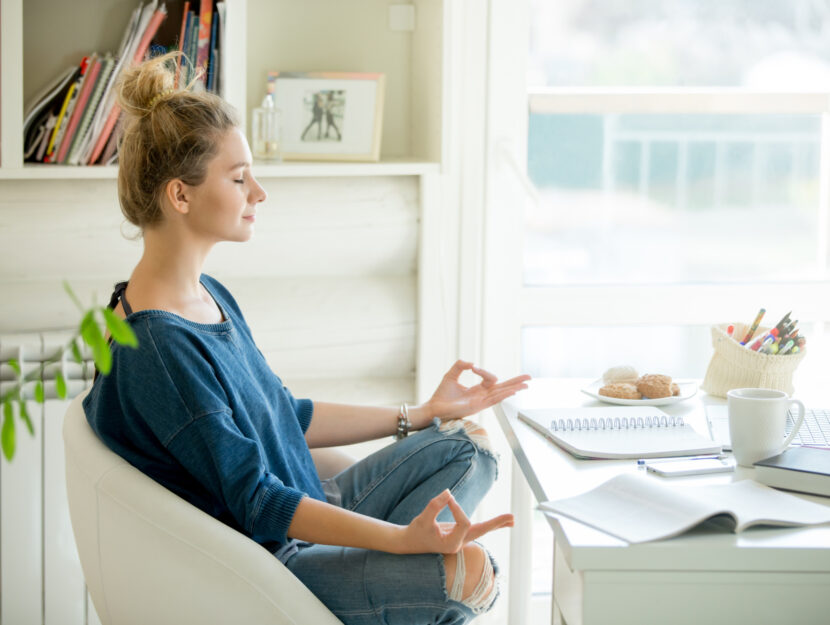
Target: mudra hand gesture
(453, 400)
(425, 534)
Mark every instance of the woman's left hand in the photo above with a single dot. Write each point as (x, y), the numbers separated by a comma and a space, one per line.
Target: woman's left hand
(452, 400)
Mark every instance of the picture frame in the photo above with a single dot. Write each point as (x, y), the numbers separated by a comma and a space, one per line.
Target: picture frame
(331, 116)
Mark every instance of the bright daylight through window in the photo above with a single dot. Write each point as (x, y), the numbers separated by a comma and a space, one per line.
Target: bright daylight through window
(677, 145)
(638, 189)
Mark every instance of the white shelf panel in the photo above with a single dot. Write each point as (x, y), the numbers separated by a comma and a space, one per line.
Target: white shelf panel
(58, 172)
(392, 167)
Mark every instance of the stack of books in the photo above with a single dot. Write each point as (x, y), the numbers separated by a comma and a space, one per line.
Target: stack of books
(74, 120)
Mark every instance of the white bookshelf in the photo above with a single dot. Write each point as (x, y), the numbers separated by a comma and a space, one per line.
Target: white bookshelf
(296, 169)
(262, 36)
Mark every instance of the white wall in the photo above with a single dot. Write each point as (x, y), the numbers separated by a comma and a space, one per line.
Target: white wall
(328, 283)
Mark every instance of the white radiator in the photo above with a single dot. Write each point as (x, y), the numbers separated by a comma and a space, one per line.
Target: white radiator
(40, 576)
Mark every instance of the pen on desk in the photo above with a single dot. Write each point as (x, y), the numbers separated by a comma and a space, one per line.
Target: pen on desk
(641, 461)
(754, 326)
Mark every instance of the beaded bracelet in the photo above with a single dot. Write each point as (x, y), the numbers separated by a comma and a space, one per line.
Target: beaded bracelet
(403, 422)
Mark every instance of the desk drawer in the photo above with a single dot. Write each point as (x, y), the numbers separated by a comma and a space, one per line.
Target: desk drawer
(679, 598)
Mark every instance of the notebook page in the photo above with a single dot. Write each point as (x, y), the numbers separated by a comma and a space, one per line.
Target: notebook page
(617, 441)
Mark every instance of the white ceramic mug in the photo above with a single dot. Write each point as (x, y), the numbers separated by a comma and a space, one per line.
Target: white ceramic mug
(757, 420)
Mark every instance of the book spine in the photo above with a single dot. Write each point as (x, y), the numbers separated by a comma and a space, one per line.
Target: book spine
(194, 47)
(181, 41)
(77, 151)
(211, 76)
(86, 88)
(203, 47)
(149, 33)
(59, 124)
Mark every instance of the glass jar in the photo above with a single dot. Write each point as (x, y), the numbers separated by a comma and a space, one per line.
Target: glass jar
(266, 135)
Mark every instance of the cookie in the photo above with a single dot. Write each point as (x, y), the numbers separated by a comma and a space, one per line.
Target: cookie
(620, 390)
(655, 386)
(675, 390)
(620, 374)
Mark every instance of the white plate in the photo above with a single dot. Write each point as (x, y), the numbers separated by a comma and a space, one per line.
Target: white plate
(687, 390)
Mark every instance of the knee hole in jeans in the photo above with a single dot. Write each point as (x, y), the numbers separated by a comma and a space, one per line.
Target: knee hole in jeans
(476, 433)
(471, 578)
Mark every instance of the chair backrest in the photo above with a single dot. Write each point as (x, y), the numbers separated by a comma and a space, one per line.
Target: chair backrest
(148, 556)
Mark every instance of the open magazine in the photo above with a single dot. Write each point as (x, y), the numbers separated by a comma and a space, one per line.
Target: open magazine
(637, 508)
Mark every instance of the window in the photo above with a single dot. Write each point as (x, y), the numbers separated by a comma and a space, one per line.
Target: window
(678, 159)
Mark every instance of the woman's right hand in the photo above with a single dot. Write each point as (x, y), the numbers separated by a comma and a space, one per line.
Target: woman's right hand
(426, 535)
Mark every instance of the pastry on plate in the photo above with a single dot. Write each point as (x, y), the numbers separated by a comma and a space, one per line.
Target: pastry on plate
(619, 375)
(620, 390)
(655, 386)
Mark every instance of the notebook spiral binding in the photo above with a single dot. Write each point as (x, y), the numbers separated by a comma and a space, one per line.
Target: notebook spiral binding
(615, 423)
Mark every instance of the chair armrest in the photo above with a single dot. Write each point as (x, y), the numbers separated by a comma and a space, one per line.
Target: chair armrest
(330, 461)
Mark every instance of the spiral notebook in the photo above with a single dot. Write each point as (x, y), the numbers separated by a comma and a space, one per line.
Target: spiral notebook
(619, 432)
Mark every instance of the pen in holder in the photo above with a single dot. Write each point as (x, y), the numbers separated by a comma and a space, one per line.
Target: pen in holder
(737, 366)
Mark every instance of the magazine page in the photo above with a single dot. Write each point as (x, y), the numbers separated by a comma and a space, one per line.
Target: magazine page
(635, 508)
(638, 508)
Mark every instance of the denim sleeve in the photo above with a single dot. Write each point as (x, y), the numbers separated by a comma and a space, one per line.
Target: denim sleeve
(303, 408)
(230, 466)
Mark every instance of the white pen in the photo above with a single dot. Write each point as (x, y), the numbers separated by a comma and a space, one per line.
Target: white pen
(681, 458)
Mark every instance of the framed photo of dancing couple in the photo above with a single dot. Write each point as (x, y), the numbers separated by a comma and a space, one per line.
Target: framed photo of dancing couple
(333, 116)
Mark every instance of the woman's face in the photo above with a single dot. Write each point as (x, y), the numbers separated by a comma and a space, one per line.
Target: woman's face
(223, 207)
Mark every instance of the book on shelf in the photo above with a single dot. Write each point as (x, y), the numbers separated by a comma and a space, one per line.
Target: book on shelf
(73, 119)
(63, 115)
(43, 114)
(203, 42)
(802, 469)
(638, 508)
(82, 136)
(44, 109)
(180, 43)
(213, 53)
(84, 90)
(618, 432)
(149, 21)
(219, 81)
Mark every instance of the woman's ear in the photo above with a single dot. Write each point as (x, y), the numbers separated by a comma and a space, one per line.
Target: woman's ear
(177, 196)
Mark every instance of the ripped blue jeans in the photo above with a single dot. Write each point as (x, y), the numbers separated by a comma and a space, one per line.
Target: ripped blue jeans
(362, 586)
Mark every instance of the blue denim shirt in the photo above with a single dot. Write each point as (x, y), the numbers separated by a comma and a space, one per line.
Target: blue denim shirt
(197, 408)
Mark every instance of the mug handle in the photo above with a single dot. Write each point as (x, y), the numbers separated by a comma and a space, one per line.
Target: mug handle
(796, 426)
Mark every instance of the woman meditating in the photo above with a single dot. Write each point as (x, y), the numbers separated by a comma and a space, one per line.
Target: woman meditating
(197, 408)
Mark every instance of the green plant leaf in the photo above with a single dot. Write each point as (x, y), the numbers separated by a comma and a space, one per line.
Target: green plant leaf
(92, 336)
(24, 415)
(14, 365)
(7, 433)
(60, 384)
(71, 294)
(76, 353)
(39, 398)
(120, 330)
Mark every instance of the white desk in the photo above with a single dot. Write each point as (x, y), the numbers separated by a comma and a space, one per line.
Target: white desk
(763, 575)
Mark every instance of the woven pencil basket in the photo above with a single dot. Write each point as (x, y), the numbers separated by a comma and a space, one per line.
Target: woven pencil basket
(735, 366)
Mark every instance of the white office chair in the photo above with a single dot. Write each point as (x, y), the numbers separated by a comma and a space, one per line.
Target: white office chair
(148, 556)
